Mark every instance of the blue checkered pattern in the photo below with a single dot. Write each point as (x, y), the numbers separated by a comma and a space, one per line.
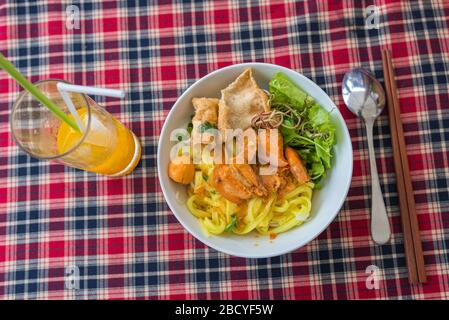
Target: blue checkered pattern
(120, 233)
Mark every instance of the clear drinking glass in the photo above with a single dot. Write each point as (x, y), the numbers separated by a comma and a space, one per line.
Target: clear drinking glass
(105, 146)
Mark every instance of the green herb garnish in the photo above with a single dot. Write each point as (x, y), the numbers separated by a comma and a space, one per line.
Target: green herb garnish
(206, 126)
(190, 125)
(315, 135)
(231, 225)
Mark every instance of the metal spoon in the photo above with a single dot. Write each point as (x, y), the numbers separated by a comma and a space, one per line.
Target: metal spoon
(365, 97)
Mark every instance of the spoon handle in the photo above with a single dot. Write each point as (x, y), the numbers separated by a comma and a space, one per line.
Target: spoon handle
(380, 226)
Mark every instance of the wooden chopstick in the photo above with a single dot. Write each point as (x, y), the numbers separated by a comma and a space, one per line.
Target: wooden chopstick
(412, 237)
(406, 228)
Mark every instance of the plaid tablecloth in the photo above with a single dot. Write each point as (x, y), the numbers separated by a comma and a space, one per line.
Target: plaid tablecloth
(120, 234)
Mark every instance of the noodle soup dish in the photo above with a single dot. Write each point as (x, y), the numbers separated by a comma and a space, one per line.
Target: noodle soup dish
(255, 160)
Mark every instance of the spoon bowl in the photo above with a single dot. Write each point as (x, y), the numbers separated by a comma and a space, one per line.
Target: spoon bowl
(361, 90)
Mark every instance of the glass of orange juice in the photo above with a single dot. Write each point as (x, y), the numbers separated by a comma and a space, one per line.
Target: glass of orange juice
(103, 146)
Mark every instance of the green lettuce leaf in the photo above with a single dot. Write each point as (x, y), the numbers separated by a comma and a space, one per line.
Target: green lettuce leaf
(285, 91)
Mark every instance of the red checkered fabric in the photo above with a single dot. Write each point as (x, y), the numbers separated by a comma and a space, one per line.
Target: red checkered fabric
(70, 234)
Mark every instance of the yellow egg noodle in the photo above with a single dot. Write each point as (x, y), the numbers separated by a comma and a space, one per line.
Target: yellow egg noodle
(266, 216)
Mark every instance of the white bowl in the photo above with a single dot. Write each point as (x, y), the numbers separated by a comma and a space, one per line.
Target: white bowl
(326, 202)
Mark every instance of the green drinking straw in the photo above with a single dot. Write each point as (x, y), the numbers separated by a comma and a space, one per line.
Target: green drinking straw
(39, 95)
